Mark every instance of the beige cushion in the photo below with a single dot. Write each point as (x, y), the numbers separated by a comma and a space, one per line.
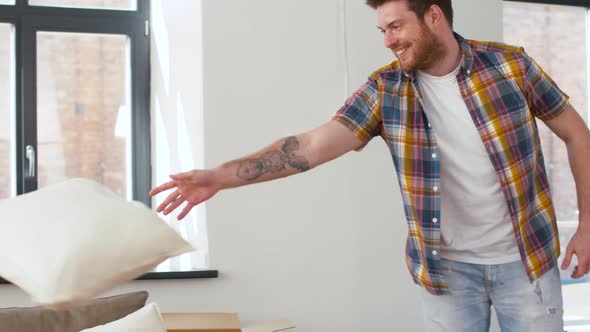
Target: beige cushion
(146, 319)
(71, 241)
(81, 316)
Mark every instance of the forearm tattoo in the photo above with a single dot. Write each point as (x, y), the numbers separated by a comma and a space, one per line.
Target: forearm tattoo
(273, 161)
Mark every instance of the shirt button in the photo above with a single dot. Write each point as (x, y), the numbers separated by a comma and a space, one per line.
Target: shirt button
(435, 188)
(435, 220)
(429, 125)
(434, 252)
(434, 156)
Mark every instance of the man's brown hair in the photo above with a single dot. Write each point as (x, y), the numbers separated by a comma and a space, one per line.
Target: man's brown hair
(420, 7)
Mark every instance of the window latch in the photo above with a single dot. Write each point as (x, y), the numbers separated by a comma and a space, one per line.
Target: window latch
(30, 154)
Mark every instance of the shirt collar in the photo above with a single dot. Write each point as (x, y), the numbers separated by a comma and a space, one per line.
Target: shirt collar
(467, 62)
(467, 53)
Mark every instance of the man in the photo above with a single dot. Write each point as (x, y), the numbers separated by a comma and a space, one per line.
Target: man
(458, 118)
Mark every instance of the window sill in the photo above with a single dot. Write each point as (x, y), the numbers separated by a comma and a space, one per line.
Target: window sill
(180, 275)
(165, 275)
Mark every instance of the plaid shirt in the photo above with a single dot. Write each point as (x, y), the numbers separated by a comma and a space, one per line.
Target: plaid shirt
(504, 90)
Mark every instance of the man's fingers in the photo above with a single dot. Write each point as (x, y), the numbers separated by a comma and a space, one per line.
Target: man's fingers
(172, 206)
(162, 187)
(581, 269)
(185, 211)
(568, 258)
(171, 198)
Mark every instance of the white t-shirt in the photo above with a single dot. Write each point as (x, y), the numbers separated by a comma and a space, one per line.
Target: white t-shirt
(475, 222)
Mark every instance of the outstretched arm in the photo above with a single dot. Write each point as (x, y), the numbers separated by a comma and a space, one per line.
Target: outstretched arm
(285, 157)
(570, 127)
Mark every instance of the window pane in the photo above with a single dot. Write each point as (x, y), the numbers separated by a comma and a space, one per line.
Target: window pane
(557, 38)
(96, 4)
(83, 118)
(7, 181)
(6, 2)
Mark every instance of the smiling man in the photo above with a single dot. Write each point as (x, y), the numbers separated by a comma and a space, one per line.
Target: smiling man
(459, 118)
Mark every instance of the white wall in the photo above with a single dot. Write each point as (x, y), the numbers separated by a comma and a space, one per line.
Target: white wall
(324, 249)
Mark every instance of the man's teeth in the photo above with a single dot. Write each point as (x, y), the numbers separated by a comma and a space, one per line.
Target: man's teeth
(402, 51)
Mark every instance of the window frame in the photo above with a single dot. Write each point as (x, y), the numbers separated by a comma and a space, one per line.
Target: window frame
(575, 3)
(27, 20)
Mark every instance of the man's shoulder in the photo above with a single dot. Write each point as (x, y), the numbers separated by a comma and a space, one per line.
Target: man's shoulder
(392, 71)
(479, 47)
(502, 56)
(493, 47)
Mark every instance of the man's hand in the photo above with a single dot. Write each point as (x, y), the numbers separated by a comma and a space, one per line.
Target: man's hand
(580, 246)
(193, 187)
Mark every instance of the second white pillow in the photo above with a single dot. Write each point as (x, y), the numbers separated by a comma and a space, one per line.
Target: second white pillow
(146, 319)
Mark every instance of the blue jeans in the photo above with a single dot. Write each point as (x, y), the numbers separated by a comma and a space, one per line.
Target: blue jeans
(520, 305)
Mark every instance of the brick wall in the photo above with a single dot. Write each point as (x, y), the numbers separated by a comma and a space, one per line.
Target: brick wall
(81, 83)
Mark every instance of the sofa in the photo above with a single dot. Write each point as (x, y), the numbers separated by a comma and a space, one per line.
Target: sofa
(79, 317)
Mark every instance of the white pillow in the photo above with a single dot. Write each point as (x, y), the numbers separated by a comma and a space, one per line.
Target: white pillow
(146, 319)
(71, 241)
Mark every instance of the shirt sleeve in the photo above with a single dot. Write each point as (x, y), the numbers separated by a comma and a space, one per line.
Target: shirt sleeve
(361, 112)
(543, 95)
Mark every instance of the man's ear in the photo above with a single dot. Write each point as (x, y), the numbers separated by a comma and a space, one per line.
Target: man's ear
(434, 16)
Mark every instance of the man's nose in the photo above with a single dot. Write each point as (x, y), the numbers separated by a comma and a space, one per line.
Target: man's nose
(390, 39)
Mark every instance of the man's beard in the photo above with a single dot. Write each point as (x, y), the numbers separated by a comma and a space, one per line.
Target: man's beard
(426, 51)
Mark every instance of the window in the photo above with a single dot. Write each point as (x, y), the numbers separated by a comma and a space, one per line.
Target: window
(82, 96)
(79, 106)
(558, 38)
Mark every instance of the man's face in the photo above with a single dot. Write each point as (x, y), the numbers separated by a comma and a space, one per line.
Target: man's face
(410, 39)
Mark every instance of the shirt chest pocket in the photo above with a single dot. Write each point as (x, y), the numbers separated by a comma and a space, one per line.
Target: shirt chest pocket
(508, 121)
(506, 111)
